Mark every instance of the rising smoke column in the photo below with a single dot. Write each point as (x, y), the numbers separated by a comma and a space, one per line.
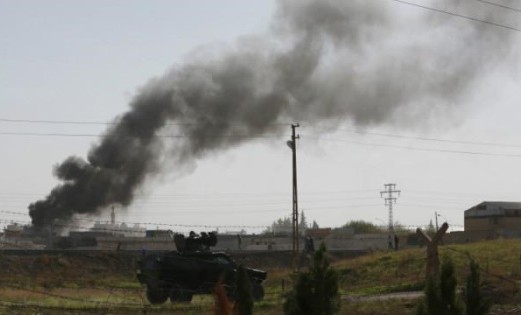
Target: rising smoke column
(360, 61)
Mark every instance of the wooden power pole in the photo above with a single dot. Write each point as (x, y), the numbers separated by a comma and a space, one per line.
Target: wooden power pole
(295, 246)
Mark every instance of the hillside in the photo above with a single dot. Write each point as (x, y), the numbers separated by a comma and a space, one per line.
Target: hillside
(500, 262)
(104, 282)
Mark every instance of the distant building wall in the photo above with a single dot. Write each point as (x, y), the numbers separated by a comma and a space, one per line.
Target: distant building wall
(493, 219)
(137, 243)
(493, 223)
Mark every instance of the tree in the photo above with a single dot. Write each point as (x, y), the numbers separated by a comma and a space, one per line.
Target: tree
(448, 290)
(430, 228)
(281, 226)
(400, 228)
(316, 291)
(474, 300)
(441, 294)
(314, 225)
(303, 224)
(360, 226)
(243, 298)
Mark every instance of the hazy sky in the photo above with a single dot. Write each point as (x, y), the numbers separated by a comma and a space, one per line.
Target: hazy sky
(84, 61)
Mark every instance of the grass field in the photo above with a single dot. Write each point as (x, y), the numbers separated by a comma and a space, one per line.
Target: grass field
(106, 284)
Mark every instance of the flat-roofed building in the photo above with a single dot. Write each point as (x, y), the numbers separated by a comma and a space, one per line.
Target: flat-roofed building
(492, 219)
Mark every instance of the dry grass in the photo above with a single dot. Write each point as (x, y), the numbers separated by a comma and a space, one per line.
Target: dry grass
(46, 282)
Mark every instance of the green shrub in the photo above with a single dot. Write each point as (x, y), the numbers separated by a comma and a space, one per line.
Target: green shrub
(316, 291)
(441, 293)
(476, 303)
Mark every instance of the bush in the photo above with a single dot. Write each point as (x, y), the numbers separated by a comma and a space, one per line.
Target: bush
(441, 294)
(316, 291)
(476, 303)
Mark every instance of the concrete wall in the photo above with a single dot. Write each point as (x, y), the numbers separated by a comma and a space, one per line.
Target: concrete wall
(129, 243)
(278, 243)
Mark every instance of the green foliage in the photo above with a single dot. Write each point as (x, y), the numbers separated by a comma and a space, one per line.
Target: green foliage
(430, 228)
(316, 291)
(280, 226)
(244, 300)
(476, 303)
(441, 293)
(360, 226)
(285, 225)
(303, 224)
(448, 290)
(400, 228)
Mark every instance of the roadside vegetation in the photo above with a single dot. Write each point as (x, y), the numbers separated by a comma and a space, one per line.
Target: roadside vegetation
(105, 283)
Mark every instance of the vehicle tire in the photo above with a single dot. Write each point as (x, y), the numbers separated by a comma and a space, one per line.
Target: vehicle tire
(257, 292)
(180, 295)
(156, 295)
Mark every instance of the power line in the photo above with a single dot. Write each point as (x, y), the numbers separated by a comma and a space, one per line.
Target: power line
(416, 148)
(182, 136)
(137, 223)
(206, 226)
(224, 194)
(433, 139)
(123, 230)
(309, 137)
(249, 199)
(65, 122)
(129, 137)
(48, 134)
(500, 5)
(193, 207)
(243, 201)
(458, 15)
(77, 122)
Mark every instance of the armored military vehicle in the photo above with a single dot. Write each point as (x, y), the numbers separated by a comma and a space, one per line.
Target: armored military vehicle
(193, 269)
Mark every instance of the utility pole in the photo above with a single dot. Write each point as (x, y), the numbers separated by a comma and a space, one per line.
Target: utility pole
(436, 216)
(295, 246)
(389, 198)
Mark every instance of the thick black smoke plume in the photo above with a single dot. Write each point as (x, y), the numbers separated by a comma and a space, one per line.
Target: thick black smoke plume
(361, 61)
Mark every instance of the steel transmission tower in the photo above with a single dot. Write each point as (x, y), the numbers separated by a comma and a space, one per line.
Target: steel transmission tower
(390, 200)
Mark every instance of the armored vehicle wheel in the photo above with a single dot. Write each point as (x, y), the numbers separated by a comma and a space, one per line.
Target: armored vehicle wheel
(257, 292)
(180, 295)
(156, 296)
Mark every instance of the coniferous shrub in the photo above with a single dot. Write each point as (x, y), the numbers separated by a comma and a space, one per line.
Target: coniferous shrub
(315, 292)
(474, 300)
(441, 296)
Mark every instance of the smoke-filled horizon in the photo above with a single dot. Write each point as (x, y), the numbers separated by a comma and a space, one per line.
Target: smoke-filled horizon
(322, 61)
